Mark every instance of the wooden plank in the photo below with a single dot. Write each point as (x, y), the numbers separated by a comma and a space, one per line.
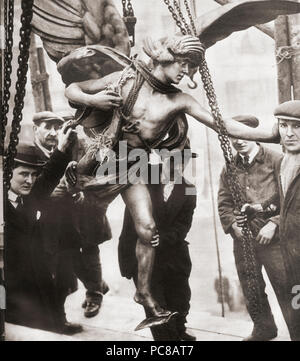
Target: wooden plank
(39, 78)
(294, 33)
(283, 65)
(37, 87)
(45, 83)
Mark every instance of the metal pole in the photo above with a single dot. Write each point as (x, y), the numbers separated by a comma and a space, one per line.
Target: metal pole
(215, 221)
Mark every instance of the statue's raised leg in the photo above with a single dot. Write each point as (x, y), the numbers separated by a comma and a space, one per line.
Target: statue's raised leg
(138, 201)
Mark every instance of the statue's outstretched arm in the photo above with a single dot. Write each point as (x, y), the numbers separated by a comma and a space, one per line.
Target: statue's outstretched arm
(268, 133)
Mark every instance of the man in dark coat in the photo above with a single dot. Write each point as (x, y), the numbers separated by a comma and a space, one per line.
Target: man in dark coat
(288, 174)
(72, 242)
(173, 209)
(255, 169)
(31, 294)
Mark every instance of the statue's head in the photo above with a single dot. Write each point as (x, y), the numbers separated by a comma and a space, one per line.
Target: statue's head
(185, 48)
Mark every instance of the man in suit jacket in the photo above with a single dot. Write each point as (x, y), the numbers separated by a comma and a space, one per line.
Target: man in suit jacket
(31, 294)
(173, 209)
(72, 243)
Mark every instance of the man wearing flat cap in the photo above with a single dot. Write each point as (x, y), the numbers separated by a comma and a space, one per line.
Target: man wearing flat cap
(255, 169)
(288, 173)
(46, 128)
(72, 242)
(30, 288)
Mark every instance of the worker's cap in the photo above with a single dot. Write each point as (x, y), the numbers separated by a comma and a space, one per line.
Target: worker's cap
(248, 120)
(27, 154)
(41, 117)
(289, 110)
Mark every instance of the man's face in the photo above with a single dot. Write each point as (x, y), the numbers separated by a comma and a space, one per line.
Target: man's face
(47, 133)
(23, 180)
(244, 147)
(290, 135)
(174, 72)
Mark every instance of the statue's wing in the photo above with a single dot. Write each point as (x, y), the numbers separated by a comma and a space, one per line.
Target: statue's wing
(91, 62)
(218, 24)
(65, 25)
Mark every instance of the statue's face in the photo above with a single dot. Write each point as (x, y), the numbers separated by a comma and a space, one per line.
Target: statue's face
(174, 72)
(290, 135)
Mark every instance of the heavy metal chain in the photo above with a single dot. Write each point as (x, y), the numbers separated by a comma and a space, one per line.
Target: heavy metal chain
(250, 263)
(9, 28)
(24, 45)
(182, 18)
(127, 11)
(175, 17)
(188, 10)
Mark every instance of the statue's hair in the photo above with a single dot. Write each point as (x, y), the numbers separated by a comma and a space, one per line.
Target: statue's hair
(170, 48)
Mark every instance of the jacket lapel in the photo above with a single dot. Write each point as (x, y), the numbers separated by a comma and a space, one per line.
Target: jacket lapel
(291, 192)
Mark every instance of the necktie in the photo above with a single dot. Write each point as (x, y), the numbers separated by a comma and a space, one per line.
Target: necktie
(246, 162)
(19, 201)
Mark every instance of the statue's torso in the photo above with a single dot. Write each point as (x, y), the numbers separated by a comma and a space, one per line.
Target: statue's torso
(153, 111)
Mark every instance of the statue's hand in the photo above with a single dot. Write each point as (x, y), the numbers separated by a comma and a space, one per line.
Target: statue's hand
(155, 241)
(78, 198)
(106, 100)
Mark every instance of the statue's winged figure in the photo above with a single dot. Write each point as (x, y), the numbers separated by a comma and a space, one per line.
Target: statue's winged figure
(89, 41)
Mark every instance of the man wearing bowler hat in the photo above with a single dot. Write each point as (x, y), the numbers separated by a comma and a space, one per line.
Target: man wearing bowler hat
(255, 169)
(174, 202)
(30, 287)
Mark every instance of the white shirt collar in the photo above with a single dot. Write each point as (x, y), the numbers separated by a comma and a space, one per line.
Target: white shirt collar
(13, 198)
(46, 151)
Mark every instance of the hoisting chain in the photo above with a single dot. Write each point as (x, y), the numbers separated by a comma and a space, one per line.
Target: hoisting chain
(129, 20)
(127, 11)
(9, 28)
(253, 292)
(24, 45)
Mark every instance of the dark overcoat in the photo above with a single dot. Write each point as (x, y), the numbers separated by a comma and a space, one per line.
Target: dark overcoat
(30, 286)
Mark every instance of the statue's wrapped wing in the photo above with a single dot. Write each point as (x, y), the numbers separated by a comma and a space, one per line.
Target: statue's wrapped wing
(219, 23)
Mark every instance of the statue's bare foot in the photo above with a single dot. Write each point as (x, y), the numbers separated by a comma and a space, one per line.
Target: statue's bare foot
(158, 316)
(148, 302)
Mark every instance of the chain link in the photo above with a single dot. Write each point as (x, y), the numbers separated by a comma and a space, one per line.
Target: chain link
(182, 18)
(9, 27)
(175, 17)
(188, 10)
(24, 45)
(253, 292)
(127, 10)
